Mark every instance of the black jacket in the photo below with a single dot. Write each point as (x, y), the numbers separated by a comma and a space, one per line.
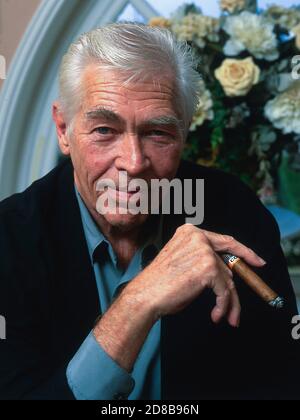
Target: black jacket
(49, 298)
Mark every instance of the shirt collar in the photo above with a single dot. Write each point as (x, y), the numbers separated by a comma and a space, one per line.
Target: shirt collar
(93, 234)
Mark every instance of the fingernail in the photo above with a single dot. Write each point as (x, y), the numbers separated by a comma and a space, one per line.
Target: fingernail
(262, 261)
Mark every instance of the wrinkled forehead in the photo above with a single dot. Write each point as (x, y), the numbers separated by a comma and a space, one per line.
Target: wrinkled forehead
(101, 81)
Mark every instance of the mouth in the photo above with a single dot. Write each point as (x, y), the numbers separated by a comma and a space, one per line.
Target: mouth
(122, 195)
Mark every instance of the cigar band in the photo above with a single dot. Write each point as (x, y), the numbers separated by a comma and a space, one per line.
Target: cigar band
(230, 260)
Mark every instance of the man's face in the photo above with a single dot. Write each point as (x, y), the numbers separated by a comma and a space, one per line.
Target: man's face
(133, 128)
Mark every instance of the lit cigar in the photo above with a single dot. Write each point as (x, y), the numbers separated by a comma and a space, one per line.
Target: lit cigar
(253, 281)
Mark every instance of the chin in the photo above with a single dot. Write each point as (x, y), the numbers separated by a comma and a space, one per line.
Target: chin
(126, 222)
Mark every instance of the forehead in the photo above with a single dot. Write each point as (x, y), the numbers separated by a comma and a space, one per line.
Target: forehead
(109, 88)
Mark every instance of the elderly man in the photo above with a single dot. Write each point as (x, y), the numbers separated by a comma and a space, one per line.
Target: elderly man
(115, 305)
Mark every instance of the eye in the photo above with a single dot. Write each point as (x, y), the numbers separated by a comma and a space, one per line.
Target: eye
(104, 131)
(157, 133)
(160, 136)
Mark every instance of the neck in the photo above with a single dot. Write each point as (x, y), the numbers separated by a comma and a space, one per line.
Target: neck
(125, 240)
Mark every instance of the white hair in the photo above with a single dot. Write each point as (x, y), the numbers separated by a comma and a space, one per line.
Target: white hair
(137, 52)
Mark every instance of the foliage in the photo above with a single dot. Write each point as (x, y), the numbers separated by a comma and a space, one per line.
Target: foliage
(252, 100)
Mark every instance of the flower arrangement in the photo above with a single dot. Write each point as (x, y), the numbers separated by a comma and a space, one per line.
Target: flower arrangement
(248, 117)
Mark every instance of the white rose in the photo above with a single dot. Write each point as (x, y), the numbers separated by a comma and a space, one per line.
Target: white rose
(288, 18)
(284, 110)
(253, 33)
(197, 28)
(237, 77)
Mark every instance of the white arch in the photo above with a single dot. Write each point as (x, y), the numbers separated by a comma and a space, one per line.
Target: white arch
(28, 146)
(2, 68)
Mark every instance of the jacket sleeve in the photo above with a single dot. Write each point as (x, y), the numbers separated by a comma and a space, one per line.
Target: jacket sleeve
(26, 370)
(26, 366)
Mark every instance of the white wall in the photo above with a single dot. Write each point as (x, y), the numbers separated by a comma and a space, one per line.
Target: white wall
(15, 15)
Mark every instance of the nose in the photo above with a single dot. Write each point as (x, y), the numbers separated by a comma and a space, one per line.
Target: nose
(131, 157)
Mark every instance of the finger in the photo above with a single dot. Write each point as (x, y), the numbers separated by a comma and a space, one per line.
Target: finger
(223, 295)
(234, 309)
(227, 244)
(234, 313)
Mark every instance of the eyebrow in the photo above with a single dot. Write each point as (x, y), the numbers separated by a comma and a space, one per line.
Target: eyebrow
(165, 121)
(103, 113)
(111, 116)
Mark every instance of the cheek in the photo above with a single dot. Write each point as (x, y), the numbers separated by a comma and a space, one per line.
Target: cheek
(166, 163)
(90, 161)
(100, 160)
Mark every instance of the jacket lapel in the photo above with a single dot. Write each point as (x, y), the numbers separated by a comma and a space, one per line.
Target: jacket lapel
(78, 303)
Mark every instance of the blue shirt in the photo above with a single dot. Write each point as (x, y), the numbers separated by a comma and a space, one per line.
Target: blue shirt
(92, 374)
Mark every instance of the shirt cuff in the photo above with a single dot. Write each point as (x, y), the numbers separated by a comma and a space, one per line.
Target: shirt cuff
(93, 375)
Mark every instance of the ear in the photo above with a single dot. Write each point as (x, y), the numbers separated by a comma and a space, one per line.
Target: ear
(61, 129)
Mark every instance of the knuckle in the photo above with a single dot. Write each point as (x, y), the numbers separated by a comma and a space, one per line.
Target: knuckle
(201, 233)
(231, 285)
(206, 282)
(229, 239)
(185, 228)
(195, 236)
(179, 229)
(201, 237)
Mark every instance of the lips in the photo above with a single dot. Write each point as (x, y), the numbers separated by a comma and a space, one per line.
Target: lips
(121, 195)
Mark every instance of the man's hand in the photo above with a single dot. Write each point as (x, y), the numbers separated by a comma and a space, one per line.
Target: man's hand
(188, 265)
(185, 267)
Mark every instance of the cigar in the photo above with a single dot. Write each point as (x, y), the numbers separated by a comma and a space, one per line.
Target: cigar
(239, 267)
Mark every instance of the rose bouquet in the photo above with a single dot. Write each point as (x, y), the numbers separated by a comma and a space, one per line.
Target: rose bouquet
(248, 118)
